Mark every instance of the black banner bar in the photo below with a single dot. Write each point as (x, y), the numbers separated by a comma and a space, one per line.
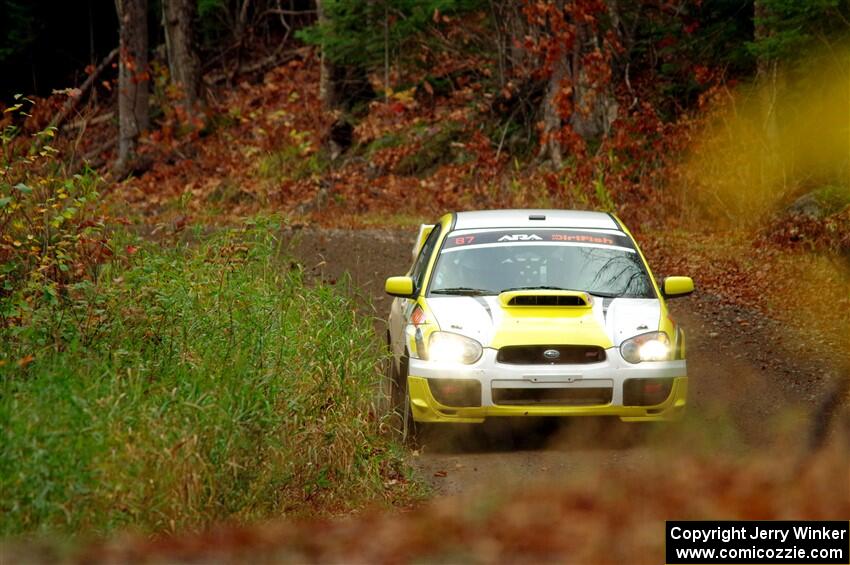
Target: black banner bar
(746, 542)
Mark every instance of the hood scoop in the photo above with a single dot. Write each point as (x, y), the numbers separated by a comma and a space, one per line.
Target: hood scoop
(547, 298)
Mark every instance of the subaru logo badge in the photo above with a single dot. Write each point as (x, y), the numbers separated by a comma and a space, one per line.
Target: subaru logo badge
(551, 354)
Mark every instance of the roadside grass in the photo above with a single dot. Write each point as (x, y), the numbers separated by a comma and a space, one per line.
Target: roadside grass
(400, 221)
(186, 385)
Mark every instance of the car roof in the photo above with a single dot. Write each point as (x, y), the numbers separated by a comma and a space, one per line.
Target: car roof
(534, 218)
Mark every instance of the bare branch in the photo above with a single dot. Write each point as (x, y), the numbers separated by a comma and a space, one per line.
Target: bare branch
(72, 102)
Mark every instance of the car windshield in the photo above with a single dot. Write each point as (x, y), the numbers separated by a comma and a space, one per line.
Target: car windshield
(493, 262)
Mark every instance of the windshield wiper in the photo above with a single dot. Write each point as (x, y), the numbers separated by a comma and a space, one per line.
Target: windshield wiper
(462, 291)
(604, 294)
(616, 295)
(550, 287)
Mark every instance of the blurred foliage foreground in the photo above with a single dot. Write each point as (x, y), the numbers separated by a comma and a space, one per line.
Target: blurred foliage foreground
(610, 514)
(162, 385)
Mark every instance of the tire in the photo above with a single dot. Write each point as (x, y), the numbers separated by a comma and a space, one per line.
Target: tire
(397, 391)
(411, 431)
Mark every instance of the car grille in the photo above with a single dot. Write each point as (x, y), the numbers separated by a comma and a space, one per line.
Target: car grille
(553, 396)
(536, 355)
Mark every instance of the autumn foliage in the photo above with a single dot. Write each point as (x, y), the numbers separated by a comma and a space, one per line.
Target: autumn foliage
(719, 138)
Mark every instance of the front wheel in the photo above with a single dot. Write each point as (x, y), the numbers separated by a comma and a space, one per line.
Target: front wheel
(411, 431)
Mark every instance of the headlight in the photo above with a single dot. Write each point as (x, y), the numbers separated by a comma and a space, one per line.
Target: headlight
(453, 348)
(652, 346)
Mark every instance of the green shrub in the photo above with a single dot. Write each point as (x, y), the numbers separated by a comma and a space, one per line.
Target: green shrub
(185, 385)
(50, 235)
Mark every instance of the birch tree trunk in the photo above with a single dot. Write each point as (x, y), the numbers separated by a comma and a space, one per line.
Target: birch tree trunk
(133, 77)
(179, 19)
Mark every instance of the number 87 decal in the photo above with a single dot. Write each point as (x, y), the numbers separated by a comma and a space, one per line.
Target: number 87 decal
(464, 240)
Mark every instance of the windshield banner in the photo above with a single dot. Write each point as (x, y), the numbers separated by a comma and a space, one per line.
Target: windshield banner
(462, 239)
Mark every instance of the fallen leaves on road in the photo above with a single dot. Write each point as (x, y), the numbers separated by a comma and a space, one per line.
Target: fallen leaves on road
(613, 516)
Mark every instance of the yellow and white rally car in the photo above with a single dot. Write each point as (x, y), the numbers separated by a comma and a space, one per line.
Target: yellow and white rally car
(533, 313)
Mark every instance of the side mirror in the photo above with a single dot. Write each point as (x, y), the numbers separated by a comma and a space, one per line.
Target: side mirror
(677, 286)
(399, 286)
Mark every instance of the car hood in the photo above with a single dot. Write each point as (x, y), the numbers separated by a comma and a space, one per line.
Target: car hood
(606, 323)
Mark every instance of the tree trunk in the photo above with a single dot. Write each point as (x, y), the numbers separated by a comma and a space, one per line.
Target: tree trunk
(594, 104)
(327, 88)
(241, 29)
(511, 29)
(767, 72)
(586, 103)
(761, 31)
(552, 119)
(133, 77)
(179, 19)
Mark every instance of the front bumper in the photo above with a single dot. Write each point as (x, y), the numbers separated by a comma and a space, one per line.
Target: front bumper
(613, 372)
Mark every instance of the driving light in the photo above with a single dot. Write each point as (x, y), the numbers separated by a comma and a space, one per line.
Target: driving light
(652, 346)
(453, 348)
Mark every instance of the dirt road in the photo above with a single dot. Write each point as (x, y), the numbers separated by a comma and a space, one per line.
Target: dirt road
(750, 386)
